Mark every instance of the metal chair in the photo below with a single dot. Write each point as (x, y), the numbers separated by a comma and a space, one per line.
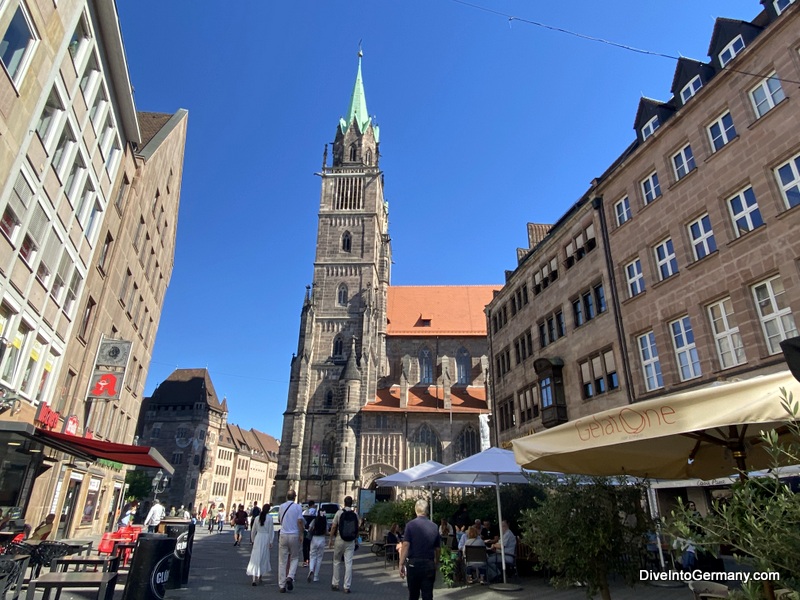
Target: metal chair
(475, 558)
(9, 574)
(44, 553)
(390, 554)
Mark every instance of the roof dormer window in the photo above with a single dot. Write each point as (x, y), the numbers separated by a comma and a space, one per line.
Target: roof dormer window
(691, 88)
(650, 127)
(782, 5)
(733, 48)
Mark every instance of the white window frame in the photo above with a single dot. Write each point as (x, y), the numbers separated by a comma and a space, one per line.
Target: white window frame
(731, 50)
(691, 88)
(622, 210)
(782, 5)
(52, 114)
(77, 47)
(703, 242)
(635, 277)
(685, 348)
(16, 72)
(777, 322)
(683, 162)
(651, 188)
(99, 108)
(772, 92)
(727, 339)
(726, 134)
(747, 213)
(91, 76)
(668, 264)
(93, 221)
(788, 177)
(651, 366)
(62, 159)
(650, 127)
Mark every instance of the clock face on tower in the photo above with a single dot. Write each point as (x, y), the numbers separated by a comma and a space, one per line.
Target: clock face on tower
(113, 353)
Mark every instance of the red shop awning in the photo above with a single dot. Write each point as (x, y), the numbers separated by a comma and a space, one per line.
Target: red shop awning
(140, 456)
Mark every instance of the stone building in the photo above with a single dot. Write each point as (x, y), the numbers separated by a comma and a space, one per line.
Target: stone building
(384, 377)
(695, 246)
(214, 461)
(87, 185)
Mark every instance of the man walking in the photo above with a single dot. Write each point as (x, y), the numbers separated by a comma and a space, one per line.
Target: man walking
(290, 518)
(240, 525)
(420, 546)
(344, 532)
(254, 512)
(154, 517)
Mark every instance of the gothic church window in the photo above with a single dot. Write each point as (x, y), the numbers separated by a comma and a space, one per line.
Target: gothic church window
(425, 365)
(353, 153)
(329, 399)
(341, 295)
(338, 346)
(368, 159)
(424, 446)
(347, 241)
(463, 366)
(467, 443)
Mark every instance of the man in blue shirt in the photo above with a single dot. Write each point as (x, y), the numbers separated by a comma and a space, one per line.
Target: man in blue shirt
(421, 541)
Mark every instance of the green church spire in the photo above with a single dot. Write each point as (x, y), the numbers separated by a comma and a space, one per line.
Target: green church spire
(358, 105)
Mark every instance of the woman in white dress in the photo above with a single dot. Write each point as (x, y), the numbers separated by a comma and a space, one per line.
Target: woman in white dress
(261, 534)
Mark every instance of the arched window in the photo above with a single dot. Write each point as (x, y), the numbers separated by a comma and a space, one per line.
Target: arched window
(338, 346)
(353, 153)
(464, 366)
(347, 241)
(467, 443)
(425, 365)
(368, 159)
(424, 446)
(329, 399)
(341, 295)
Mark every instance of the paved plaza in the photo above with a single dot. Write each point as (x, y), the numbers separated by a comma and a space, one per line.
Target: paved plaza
(218, 572)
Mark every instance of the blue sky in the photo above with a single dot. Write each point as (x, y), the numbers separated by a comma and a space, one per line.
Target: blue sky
(486, 125)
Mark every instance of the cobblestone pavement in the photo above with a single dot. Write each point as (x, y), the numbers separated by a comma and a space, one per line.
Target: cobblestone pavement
(218, 572)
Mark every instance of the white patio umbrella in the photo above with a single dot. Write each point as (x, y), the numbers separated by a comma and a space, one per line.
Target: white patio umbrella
(493, 466)
(405, 478)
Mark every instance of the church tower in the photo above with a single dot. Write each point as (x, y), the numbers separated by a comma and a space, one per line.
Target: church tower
(341, 350)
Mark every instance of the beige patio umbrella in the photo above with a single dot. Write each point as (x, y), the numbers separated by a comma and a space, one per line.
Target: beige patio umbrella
(710, 432)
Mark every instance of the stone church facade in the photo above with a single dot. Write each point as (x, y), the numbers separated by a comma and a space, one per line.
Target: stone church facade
(385, 377)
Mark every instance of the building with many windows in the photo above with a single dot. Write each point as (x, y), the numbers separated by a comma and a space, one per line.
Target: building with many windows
(679, 266)
(89, 194)
(215, 461)
(385, 377)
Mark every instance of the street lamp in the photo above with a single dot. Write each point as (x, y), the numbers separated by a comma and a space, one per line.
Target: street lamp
(323, 471)
(159, 484)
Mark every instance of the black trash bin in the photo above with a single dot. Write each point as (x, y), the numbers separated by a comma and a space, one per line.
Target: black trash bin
(183, 533)
(150, 567)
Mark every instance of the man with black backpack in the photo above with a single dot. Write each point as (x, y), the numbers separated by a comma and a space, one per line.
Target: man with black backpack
(344, 533)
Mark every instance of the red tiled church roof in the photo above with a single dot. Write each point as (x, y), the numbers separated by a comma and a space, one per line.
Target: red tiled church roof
(429, 399)
(438, 309)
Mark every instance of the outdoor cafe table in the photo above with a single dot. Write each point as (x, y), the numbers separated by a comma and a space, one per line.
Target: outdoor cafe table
(108, 563)
(80, 546)
(104, 583)
(123, 551)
